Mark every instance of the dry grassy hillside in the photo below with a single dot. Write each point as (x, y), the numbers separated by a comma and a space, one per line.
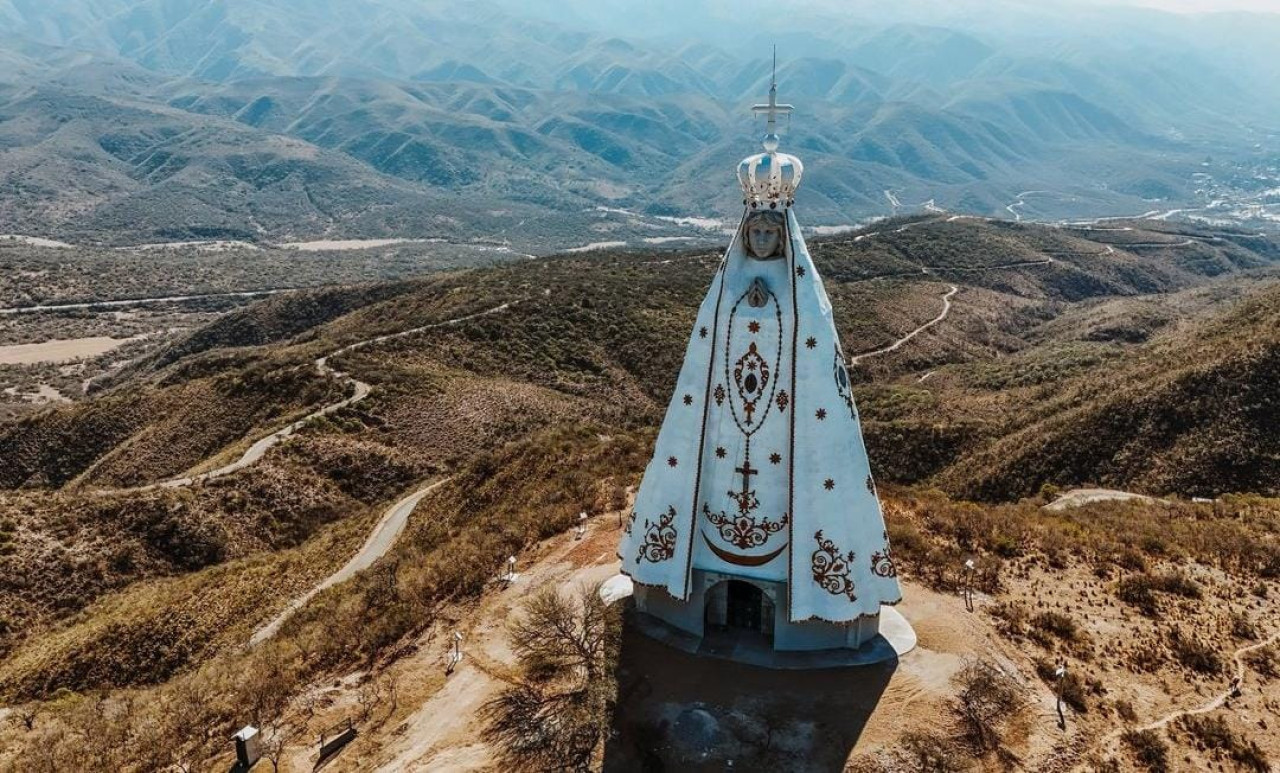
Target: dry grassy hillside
(1114, 588)
(1065, 358)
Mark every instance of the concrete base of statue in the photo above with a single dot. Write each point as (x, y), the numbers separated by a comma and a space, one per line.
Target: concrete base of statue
(715, 623)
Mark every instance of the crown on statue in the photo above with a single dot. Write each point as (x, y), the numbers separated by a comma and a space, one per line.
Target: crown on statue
(770, 179)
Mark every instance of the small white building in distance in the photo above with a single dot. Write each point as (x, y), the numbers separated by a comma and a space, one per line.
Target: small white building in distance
(757, 518)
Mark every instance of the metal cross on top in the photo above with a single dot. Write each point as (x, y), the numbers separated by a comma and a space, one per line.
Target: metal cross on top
(773, 109)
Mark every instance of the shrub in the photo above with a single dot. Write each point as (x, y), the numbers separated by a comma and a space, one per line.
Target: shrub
(989, 698)
(1214, 733)
(1056, 624)
(1150, 749)
(1242, 627)
(1140, 590)
(1265, 661)
(1074, 689)
(1132, 560)
(930, 752)
(1193, 653)
(1011, 617)
(1147, 657)
(1125, 710)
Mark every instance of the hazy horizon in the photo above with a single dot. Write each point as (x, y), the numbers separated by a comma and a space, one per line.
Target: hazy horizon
(1204, 6)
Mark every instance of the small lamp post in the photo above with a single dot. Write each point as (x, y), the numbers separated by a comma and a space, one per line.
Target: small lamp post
(1060, 674)
(455, 657)
(969, 568)
(582, 525)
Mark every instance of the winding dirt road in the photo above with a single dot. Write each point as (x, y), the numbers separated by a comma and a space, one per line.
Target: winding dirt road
(361, 390)
(376, 545)
(1085, 496)
(138, 301)
(893, 347)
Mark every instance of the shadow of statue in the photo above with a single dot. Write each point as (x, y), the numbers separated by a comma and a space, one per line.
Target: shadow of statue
(678, 711)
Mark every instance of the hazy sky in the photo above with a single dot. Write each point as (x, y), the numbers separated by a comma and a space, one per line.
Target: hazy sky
(1271, 6)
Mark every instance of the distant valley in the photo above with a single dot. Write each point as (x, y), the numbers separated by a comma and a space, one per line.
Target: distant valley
(411, 123)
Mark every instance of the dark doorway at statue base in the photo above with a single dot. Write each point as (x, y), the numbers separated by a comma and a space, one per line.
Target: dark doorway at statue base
(745, 619)
(744, 605)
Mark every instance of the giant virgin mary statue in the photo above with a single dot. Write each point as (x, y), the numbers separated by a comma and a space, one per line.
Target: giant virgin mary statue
(758, 510)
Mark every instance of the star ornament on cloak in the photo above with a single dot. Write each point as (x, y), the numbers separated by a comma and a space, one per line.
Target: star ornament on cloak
(759, 366)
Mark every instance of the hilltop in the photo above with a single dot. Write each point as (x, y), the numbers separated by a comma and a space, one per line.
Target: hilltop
(541, 401)
(1053, 333)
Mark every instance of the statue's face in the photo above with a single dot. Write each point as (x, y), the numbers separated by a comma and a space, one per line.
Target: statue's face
(764, 238)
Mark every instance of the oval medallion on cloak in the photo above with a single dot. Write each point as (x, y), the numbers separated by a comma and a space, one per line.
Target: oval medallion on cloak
(753, 356)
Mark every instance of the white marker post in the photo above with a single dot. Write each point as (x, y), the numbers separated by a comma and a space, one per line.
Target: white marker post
(969, 568)
(582, 525)
(510, 576)
(1060, 673)
(455, 657)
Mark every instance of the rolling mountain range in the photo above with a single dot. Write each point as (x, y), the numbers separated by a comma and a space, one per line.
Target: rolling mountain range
(141, 121)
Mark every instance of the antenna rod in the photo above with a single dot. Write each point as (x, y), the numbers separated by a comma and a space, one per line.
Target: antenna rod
(772, 109)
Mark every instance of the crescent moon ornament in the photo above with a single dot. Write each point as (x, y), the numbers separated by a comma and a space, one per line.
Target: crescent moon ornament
(738, 560)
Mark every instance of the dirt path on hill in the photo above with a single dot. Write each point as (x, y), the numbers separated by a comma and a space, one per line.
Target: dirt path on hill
(379, 541)
(893, 347)
(360, 390)
(1085, 496)
(1213, 704)
(444, 733)
(139, 301)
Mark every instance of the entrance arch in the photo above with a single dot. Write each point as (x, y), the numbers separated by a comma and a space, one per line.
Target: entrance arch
(743, 605)
(740, 605)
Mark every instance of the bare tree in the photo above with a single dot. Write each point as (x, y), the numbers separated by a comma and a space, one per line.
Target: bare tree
(275, 739)
(369, 697)
(264, 687)
(559, 637)
(987, 700)
(558, 712)
(392, 690)
(186, 722)
(310, 702)
(43, 756)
